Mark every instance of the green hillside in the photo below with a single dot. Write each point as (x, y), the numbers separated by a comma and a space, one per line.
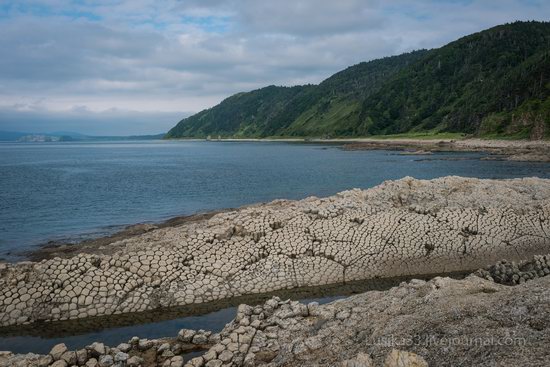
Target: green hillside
(492, 83)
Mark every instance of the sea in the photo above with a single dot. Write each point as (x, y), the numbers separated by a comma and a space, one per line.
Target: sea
(71, 191)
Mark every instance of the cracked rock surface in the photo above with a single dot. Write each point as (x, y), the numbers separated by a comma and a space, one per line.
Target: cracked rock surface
(403, 227)
(441, 322)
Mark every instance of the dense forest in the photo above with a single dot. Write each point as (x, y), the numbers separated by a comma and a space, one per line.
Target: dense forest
(495, 83)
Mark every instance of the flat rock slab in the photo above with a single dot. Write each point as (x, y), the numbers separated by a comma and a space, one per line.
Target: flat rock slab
(398, 228)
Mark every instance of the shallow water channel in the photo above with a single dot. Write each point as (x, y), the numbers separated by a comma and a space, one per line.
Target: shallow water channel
(162, 323)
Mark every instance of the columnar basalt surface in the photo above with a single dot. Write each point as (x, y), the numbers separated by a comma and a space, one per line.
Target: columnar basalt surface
(402, 227)
(446, 322)
(442, 322)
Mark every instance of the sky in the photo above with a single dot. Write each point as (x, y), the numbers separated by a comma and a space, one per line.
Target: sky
(127, 67)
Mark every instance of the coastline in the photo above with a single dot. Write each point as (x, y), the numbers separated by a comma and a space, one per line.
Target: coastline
(516, 150)
(343, 290)
(404, 247)
(373, 328)
(103, 245)
(400, 228)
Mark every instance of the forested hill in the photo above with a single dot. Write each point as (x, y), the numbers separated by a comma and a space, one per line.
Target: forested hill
(492, 83)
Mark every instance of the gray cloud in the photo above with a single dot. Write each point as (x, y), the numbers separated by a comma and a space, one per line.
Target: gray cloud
(81, 120)
(162, 58)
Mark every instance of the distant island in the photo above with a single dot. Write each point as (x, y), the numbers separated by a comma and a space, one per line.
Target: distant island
(491, 84)
(67, 136)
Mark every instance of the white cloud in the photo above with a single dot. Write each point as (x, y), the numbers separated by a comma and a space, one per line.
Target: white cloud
(170, 56)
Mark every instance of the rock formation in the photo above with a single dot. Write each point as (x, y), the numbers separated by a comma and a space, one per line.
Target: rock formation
(441, 322)
(402, 227)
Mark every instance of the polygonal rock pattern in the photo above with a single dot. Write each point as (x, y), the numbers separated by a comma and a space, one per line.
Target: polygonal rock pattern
(450, 322)
(399, 228)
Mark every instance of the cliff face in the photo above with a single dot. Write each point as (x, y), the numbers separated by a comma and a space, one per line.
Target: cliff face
(404, 227)
(492, 83)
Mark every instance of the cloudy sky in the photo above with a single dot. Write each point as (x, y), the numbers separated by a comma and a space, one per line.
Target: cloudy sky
(124, 67)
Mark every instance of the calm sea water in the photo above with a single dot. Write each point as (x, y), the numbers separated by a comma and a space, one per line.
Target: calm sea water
(73, 191)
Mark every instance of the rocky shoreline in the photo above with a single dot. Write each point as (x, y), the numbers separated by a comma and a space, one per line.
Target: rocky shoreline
(400, 228)
(513, 150)
(476, 321)
(112, 243)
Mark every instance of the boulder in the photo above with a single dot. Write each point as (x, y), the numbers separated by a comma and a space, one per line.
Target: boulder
(134, 361)
(57, 351)
(186, 335)
(96, 349)
(106, 361)
(69, 357)
(81, 357)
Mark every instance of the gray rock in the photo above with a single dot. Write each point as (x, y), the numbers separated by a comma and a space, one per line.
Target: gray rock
(69, 357)
(225, 356)
(314, 343)
(57, 351)
(121, 357)
(145, 344)
(186, 335)
(210, 355)
(96, 349)
(167, 354)
(163, 347)
(200, 339)
(214, 363)
(81, 356)
(106, 361)
(44, 361)
(124, 347)
(134, 361)
(361, 360)
(176, 361)
(399, 358)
